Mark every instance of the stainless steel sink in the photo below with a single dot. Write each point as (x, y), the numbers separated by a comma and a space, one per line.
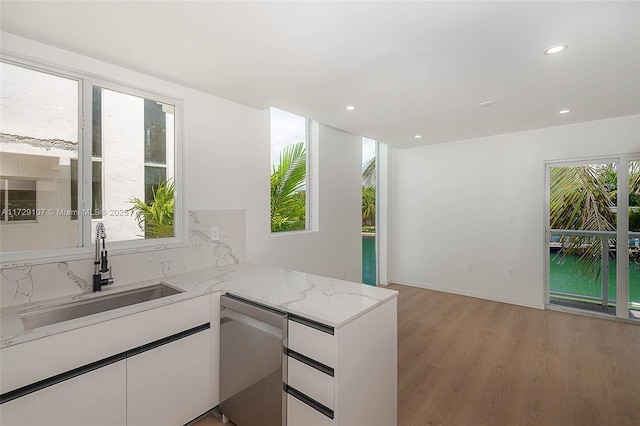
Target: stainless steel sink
(71, 310)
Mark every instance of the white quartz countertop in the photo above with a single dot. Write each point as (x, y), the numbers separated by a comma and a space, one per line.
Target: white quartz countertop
(329, 301)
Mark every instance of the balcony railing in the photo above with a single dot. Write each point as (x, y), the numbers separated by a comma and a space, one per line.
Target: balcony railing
(607, 247)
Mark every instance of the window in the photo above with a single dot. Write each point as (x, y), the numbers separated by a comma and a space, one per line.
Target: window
(289, 172)
(18, 200)
(132, 165)
(121, 172)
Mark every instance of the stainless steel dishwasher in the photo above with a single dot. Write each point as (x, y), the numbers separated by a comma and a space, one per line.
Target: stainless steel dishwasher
(252, 363)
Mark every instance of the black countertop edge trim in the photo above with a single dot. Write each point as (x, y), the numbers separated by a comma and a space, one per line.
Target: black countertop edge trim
(311, 323)
(252, 303)
(310, 362)
(54, 380)
(309, 401)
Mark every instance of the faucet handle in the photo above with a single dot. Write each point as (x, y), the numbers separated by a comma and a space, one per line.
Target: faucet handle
(104, 262)
(109, 279)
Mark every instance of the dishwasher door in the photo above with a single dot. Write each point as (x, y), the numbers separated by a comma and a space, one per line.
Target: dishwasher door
(252, 363)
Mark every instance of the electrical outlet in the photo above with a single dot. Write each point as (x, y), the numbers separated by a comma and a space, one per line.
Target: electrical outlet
(469, 268)
(511, 220)
(511, 273)
(215, 233)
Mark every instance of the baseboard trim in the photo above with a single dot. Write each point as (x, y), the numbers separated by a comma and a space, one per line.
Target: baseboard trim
(477, 295)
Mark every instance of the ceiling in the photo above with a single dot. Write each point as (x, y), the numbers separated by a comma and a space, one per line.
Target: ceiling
(410, 67)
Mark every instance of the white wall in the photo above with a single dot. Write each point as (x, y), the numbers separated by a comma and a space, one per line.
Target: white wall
(335, 249)
(450, 205)
(227, 159)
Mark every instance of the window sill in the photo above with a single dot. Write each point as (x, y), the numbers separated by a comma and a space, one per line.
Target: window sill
(292, 233)
(40, 257)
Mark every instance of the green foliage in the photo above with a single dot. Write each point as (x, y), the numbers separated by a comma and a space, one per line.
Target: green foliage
(584, 198)
(581, 199)
(288, 198)
(157, 219)
(634, 183)
(368, 206)
(369, 196)
(634, 220)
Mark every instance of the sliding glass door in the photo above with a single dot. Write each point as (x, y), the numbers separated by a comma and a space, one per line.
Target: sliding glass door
(593, 222)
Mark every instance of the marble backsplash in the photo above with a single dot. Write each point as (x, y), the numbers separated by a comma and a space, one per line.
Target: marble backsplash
(32, 283)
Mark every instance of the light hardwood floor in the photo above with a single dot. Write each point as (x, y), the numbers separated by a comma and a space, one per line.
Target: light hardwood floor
(466, 361)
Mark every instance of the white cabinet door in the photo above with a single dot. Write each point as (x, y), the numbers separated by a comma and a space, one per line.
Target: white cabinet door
(169, 385)
(96, 398)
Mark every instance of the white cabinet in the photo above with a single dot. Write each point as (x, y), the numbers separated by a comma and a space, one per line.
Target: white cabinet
(149, 368)
(25, 363)
(169, 385)
(347, 372)
(96, 398)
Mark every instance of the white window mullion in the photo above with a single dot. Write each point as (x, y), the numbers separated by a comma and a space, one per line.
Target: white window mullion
(308, 186)
(622, 252)
(84, 164)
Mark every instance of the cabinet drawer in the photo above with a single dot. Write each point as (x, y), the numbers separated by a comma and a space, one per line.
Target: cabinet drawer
(313, 343)
(300, 414)
(310, 381)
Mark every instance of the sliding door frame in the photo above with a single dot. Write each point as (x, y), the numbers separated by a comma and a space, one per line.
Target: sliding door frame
(622, 232)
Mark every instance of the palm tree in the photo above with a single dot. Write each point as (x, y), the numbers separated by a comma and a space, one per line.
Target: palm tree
(287, 182)
(156, 219)
(369, 194)
(368, 206)
(581, 200)
(369, 173)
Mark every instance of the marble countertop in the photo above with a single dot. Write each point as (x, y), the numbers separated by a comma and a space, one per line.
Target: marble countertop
(330, 301)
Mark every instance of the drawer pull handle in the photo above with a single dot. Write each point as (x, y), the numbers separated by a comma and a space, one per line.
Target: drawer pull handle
(313, 324)
(309, 401)
(67, 375)
(310, 362)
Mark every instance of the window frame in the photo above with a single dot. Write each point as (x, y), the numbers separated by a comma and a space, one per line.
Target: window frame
(4, 216)
(85, 249)
(310, 181)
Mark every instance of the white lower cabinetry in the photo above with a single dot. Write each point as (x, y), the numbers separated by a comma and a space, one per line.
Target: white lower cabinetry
(163, 374)
(348, 372)
(169, 385)
(97, 398)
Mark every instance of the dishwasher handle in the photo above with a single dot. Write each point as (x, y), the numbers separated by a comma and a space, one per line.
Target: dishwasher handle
(228, 315)
(253, 314)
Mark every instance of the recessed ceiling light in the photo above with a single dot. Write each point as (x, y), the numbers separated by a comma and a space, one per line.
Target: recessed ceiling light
(350, 107)
(564, 111)
(555, 49)
(417, 136)
(486, 104)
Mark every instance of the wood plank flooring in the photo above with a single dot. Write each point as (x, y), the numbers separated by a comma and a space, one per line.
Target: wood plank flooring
(466, 361)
